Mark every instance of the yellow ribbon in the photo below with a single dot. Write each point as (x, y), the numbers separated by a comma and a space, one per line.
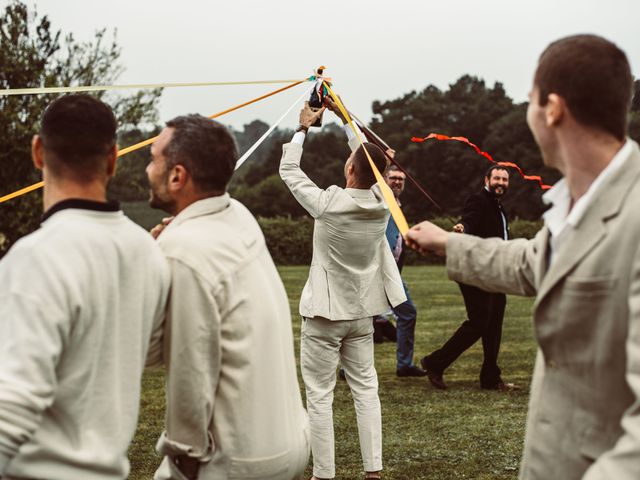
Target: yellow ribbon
(394, 208)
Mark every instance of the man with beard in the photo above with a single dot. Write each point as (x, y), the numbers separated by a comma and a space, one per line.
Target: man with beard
(233, 402)
(483, 216)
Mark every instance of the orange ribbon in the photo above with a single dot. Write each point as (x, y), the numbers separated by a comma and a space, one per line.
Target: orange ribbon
(149, 141)
(437, 136)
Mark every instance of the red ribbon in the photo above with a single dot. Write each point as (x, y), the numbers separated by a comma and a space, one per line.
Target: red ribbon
(437, 136)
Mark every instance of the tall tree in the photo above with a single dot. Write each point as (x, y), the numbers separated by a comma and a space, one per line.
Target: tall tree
(34, 54)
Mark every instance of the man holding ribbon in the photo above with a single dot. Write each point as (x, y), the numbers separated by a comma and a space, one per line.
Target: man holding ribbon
(352, 275)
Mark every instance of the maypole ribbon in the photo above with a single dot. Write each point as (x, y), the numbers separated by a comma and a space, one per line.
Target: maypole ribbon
(437, 136)
(136, 86)
(253, 147)
(376, 140)
(144, 143)
(396, 213)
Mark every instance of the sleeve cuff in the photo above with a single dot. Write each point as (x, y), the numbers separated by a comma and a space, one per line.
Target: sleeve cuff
(165, 446)
(298, 138)
(349, 131)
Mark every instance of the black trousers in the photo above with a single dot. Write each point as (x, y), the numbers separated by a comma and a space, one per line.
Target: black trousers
(485, 313)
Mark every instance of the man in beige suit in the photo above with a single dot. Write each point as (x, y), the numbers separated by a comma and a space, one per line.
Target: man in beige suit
(234, 409)
(352, 274)
(583, 267)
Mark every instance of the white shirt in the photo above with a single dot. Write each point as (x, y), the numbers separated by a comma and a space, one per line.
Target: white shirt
(80, 299)
(561, 218)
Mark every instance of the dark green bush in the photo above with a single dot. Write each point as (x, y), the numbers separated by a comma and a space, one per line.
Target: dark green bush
(290, 240)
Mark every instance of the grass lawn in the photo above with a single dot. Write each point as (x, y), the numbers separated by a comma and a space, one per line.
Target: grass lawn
(461, 433)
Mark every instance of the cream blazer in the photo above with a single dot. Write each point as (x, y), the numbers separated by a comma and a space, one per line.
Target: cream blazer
(233, 399)
(352, 272)
(584, 413)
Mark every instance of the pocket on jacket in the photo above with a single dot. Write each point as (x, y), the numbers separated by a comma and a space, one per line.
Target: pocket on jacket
(602, 285)
(265, 467)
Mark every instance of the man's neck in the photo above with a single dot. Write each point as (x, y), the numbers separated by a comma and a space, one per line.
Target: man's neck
(56, 191)
(584, 159)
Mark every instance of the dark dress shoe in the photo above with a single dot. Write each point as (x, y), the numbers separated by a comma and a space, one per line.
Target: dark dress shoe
(410, 371)
(434, 378)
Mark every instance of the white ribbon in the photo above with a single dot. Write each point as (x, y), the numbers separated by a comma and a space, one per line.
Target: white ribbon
(253, 147)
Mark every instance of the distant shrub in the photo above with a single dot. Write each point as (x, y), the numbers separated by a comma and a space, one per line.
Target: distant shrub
(290, 240)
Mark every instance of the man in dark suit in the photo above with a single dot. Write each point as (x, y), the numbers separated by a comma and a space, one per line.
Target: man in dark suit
(483, 216)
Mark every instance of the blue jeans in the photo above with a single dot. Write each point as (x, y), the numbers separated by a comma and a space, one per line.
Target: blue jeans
(406, 326)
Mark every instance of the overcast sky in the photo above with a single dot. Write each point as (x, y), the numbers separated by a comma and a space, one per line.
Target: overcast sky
(373, 50)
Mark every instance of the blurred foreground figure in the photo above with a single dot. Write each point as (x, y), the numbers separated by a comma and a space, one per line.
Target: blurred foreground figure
(234, 408)
(583, 267)
(81, 298)
(352, 274)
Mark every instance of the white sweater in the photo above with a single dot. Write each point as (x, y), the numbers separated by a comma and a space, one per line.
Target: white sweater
(79, 301)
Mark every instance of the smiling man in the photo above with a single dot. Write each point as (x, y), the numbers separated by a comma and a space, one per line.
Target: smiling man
(484, 217)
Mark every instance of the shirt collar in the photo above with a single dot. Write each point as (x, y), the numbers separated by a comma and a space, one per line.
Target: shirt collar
(81, 203)
(206, 206)
(559, 196)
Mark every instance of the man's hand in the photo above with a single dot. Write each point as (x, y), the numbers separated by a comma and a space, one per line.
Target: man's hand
(333, 106)
(427, 237)
(391, 153)
(157, 230)
(458, 228)
(308, 116)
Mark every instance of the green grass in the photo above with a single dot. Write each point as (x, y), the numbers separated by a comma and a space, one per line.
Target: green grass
(461, 433)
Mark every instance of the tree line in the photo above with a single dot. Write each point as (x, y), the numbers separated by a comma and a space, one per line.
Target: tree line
(34, 54)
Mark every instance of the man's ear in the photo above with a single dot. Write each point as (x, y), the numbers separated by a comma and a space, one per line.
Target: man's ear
(178, 178)
(554, 109)
(112, 161)
(36, 152)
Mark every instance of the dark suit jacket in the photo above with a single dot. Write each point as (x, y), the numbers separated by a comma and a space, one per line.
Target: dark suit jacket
(481, 216)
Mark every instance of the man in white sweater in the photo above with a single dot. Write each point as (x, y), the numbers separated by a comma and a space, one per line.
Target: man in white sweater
(234, 408)
(80, 300)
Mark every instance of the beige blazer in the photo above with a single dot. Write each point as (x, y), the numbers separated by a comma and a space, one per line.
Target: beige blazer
(233, 399)
(352, 270)
(584, 413)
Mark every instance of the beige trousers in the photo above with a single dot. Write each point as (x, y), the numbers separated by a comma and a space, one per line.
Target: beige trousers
(325, 343)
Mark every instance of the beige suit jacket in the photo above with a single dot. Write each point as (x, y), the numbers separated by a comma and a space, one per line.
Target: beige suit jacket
(352, 270)
(584, 414)
(233, 399)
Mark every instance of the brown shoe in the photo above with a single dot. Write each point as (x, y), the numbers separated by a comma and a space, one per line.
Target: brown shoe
(372, 476)
(434, 378)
